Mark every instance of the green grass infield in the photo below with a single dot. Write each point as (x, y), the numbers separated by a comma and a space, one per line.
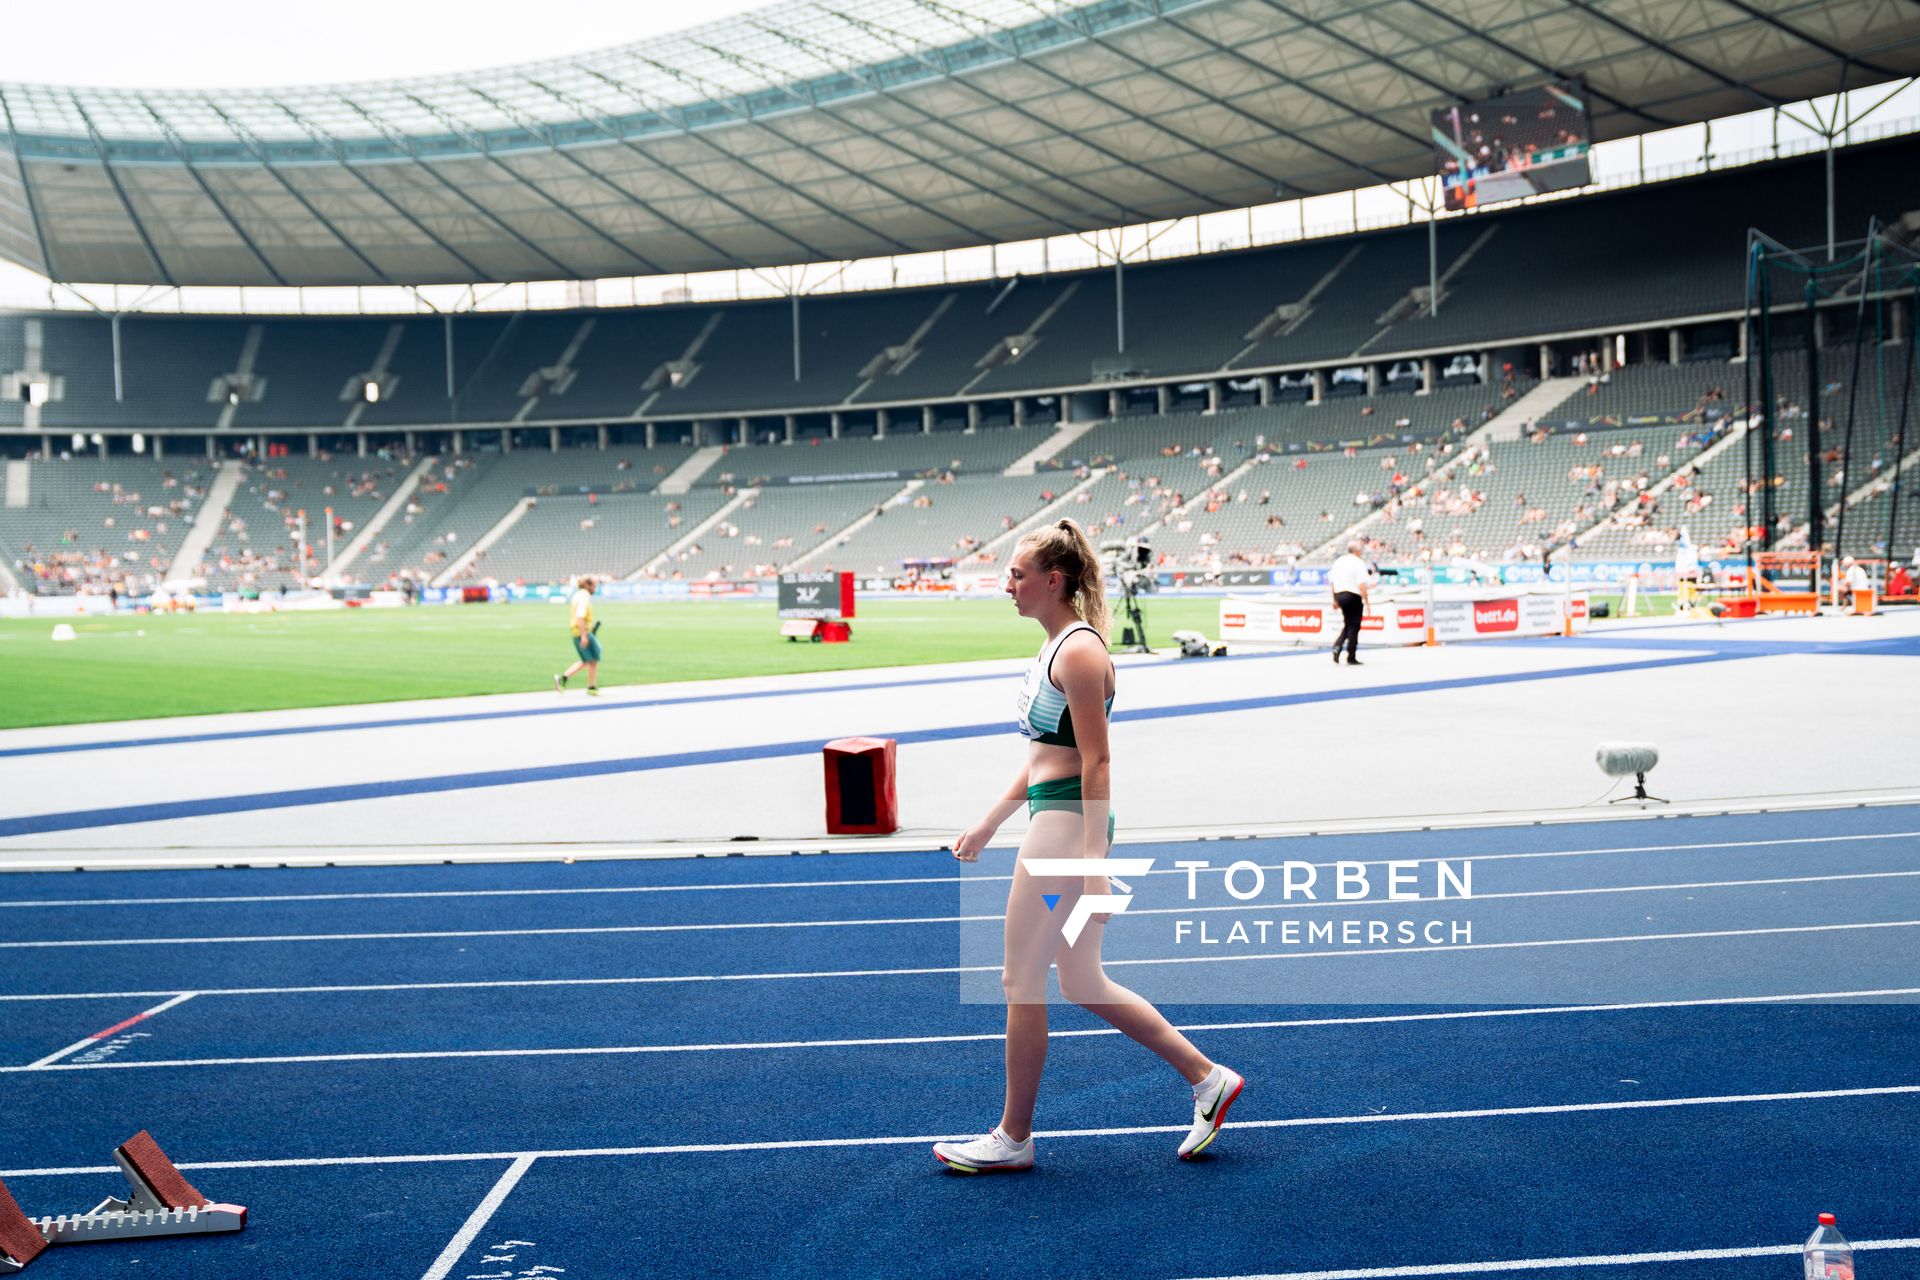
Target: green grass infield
(133, 667)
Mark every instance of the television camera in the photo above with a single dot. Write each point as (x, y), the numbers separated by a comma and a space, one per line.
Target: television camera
(1130, 563)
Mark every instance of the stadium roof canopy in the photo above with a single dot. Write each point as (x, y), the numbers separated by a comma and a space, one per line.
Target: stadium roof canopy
(821, 130)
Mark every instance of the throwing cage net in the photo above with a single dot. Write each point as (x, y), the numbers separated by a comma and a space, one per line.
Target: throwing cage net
(1832, 464)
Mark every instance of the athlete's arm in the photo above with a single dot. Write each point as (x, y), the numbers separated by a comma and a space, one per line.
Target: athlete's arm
(1080, 669)
(971, 841)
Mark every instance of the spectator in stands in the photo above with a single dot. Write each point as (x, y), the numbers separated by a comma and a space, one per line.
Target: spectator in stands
(1349, 582)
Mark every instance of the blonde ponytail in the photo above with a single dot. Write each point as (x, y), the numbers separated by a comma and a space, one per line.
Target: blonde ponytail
(1065, 547)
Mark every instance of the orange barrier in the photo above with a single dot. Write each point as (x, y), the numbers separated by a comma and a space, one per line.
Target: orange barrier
(1785, 582)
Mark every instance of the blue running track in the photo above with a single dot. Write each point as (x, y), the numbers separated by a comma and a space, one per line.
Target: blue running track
(1673, 1044)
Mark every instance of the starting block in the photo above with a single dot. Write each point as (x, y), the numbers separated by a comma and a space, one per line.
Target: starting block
(160, 1202)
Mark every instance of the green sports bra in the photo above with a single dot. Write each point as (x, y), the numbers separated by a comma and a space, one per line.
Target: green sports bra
(1044, 716)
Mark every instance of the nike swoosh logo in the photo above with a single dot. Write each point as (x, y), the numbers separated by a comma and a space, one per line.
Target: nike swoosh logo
(1208, 1113)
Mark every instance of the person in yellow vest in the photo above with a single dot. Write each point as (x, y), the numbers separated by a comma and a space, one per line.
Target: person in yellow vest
(586, 645)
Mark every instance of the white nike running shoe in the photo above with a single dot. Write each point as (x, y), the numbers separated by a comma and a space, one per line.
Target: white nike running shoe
(995, 1153)
(1210, 1103)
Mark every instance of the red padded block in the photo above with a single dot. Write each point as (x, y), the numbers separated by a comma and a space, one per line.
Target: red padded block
(861, 795)
(19, 1238)
(168, 1184)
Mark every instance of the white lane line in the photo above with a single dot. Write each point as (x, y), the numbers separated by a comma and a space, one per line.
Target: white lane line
(1507, 1265)
(732, 925)
(798, 975)
(741, 1046)
(431, 934)
(805, 1144)
(479, 893)
(27, 903)
(476, 1222)
(108, 1034)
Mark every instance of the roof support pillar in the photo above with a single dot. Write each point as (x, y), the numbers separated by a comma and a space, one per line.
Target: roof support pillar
(1830, 225)
(1433, 264)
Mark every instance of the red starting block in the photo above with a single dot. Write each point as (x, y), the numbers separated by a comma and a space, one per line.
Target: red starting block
(160, 1202)
(20, 1238)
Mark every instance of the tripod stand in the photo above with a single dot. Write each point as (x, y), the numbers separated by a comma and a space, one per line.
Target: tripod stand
(1136, 621)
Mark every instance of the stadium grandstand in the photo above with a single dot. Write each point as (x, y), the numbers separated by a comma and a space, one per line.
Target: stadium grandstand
(1178, 362)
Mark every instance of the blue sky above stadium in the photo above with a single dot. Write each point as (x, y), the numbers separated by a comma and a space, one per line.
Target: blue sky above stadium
(196, 44)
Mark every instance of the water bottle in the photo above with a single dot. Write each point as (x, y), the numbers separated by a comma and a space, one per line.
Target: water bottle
(1828, 1255)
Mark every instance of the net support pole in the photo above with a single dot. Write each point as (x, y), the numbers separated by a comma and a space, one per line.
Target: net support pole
(1816, 509)
(794, 297)
(1119, 304)
(1769, 400)
(1853, 390)
(119, 369)
(1899, 450)
(1746, 441)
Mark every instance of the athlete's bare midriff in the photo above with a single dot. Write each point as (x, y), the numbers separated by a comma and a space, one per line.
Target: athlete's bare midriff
(1047, 763)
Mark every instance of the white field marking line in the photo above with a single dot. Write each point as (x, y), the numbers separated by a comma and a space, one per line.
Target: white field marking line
(1585, 1260)
(476, 1222)
(795, 975)
(994, 1036)
(806, 1144)
(111, 1031)
(910, 880)
(732, 926)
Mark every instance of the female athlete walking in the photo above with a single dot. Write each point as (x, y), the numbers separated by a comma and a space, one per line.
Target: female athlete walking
(1055, 579)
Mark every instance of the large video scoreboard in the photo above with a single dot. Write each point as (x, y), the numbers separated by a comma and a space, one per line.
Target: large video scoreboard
(1520, 144)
